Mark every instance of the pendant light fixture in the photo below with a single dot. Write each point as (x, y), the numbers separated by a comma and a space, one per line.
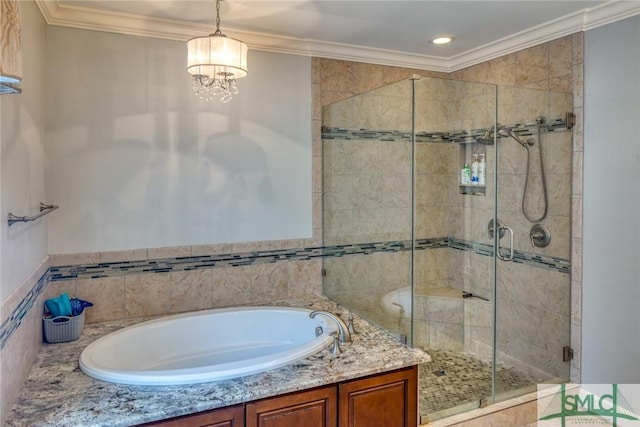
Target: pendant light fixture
(215, 62)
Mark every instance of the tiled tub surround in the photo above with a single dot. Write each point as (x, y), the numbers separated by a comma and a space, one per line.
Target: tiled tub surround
(12, 322)
(57, 393)
(21, 334)
(123, 295)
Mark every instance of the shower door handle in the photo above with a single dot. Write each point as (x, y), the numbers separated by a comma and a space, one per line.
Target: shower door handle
(508, 257)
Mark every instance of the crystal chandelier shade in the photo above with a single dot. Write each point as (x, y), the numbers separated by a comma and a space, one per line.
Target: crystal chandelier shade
(215, 62)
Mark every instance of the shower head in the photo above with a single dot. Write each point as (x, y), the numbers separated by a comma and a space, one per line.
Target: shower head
(486, 138)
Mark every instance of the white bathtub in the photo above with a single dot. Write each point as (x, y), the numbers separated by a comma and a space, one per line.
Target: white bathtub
(206, 346)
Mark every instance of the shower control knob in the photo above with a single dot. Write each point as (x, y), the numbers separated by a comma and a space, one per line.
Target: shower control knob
(540, 236)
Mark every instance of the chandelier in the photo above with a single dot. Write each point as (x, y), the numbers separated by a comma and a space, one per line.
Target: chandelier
(215, 62)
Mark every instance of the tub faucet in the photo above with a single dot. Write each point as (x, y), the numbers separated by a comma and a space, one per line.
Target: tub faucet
(345, 336)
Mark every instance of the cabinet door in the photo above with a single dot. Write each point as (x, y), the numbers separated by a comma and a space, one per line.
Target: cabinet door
(387, 400)
(313, 408)
(232, 416)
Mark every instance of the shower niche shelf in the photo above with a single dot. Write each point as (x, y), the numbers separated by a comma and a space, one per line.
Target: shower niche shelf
(465, 155)
(473, 189)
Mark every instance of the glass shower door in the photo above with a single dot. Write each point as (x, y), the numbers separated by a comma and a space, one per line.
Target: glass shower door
(367, 205)
(454, 272)
(533, 273)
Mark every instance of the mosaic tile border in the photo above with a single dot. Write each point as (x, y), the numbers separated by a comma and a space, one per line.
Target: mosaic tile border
(553, 263)
(110, 269)
(100, 270)
(397, 135)
(454, 136)
(519, 257)
(13, 322)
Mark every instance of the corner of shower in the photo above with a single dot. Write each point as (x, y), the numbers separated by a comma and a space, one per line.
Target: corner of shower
(406, 240)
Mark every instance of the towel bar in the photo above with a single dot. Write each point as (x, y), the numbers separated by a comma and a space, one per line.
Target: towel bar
(44, 209)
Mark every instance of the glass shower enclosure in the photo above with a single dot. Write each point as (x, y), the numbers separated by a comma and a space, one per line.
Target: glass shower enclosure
(409, 245)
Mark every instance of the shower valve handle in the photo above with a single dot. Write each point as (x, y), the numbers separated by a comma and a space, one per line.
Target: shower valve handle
(540, 236)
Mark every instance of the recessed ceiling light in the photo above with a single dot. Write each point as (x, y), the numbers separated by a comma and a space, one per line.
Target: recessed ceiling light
(442, 39)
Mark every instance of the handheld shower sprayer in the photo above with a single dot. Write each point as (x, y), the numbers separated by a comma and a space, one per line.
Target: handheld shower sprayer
(488, 137)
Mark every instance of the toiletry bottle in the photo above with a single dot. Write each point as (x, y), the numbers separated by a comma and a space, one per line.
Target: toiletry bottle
(474, 170)
(465, 175)
(482, 168)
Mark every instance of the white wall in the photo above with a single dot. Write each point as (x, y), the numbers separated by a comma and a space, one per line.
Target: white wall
(137, 160)
(611, 251)
(23, 163)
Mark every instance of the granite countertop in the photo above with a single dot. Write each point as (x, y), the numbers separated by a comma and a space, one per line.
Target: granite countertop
(58, 393)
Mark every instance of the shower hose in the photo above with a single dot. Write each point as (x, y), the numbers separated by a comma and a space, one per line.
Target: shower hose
(544, 181)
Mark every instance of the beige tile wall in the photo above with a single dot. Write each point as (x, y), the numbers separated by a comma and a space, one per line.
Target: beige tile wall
(555, 66)
(336, 80)
(367, 191)
(520, 342)
(358, 276)
(22, 347)
(142, 295)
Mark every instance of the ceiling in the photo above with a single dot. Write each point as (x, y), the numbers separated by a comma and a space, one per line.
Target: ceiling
(391, 32)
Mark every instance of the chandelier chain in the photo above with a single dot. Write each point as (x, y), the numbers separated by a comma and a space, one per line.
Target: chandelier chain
(218, 17)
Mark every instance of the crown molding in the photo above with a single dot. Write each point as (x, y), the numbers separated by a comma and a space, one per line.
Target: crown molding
(588, 19)
(610, 12)
(354, 53)
(131, 24)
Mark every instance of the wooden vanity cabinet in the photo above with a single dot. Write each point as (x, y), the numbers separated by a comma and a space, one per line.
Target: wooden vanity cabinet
(311, 408)
(231, 416)
(388, 399)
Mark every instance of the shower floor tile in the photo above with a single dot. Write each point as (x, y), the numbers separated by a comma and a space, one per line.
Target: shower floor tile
(453, 379)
